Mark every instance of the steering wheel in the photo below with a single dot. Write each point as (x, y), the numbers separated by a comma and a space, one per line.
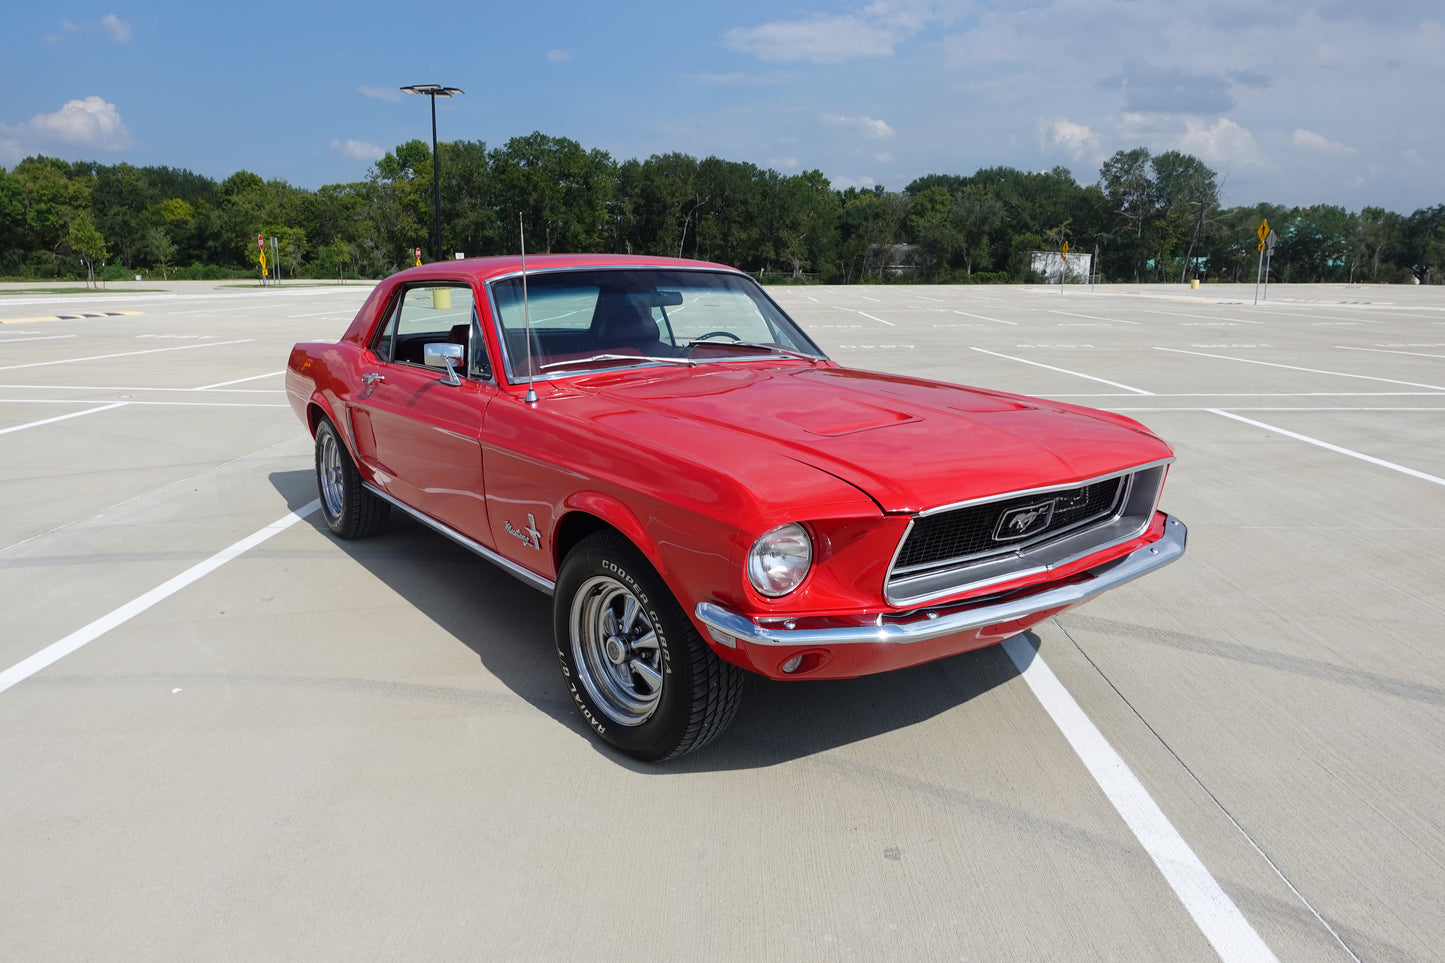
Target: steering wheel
(717, 334)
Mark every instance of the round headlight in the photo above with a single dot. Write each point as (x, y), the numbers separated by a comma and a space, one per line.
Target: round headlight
(779, 560)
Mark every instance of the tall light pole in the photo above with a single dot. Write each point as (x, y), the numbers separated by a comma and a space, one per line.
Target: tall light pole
(434, 91)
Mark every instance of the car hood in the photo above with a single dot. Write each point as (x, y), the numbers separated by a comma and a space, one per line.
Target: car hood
(907, 443)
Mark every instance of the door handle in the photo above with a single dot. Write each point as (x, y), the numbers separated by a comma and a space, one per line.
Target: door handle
(372, 377)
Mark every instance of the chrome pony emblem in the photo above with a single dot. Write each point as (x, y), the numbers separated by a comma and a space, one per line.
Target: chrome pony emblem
(1017, 523)
(528, 536)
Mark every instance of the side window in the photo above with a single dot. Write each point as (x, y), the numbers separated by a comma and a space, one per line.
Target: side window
(430, 314)
(478, 364)
(386, 333)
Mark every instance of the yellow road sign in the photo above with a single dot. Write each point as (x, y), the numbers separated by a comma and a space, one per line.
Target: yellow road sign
(1263, 231)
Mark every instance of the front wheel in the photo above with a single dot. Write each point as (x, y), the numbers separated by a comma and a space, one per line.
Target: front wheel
(635, 666)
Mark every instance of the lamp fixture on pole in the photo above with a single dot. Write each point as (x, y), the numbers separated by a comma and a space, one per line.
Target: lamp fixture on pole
(434, 91)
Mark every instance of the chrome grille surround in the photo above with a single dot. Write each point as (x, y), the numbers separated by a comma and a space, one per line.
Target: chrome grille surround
(957, 547)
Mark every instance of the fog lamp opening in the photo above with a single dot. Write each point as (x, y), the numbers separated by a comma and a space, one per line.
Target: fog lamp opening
(801, 663)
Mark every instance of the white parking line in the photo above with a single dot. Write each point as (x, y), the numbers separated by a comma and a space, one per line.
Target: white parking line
(1335, 448)
(1077, 374)
(880, 320)
(237, 381)
(134, 389)
(1412, 354)
(1206, 317)
(38, 337)
(1213, 911)
(73, 414)
(1094, 317)
(123, 354)
(984, 318)
(58, 650)
(1290, 367)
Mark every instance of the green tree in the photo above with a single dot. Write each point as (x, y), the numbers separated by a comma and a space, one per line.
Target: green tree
(161, 248)
(559, 191)
(729, 227)
(930, 227)
(47, 201)
(976, 214)
(1381, 232)
(1125, 181)
(469, 216)
(1423, 244)
(1185, 197)
(870, 228)
(87, 242)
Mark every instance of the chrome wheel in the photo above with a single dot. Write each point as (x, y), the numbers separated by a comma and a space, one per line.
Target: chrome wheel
(350, 510)
(330, 473)
(615, 650)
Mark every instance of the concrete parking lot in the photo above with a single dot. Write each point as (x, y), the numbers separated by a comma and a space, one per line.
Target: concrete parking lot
(225, 734)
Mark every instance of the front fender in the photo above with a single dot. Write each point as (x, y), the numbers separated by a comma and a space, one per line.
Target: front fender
(614, 512)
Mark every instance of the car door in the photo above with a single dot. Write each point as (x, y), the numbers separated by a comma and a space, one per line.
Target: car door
(418, 432)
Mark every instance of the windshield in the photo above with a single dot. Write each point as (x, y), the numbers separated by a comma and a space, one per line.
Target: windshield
(604, 319)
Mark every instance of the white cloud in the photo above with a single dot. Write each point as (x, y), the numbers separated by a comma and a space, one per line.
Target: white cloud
(841, 183)
(117, 28)
(358, 149)
(559, 56)
(820, 40)
(92, 122)
(1078, 140)
(390, 94)
(1313, 141)
(783, 163)
(1223, 142)
(738, 78)
(874, 31)
(867, 126)
(112, 26)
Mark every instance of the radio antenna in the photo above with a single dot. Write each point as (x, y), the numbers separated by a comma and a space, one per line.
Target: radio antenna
(531, 398)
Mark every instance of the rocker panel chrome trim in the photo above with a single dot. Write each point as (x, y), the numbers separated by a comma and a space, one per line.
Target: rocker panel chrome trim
(536, 581)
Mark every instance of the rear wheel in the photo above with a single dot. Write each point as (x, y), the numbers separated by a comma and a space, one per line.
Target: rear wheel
(635, 666)
(350, 510)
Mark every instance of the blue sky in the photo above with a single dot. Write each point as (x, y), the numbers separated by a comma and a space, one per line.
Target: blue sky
(1290, 101)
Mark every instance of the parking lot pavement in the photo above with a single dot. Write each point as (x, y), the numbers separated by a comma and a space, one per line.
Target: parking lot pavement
(223, 733)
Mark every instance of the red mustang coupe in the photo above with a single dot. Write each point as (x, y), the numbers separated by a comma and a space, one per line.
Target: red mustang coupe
(656, 444)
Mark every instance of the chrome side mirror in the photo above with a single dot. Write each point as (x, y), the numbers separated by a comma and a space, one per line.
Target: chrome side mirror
(444, 355)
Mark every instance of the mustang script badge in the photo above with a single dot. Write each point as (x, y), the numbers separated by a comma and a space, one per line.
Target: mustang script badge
(529, 536)
(1017, 523)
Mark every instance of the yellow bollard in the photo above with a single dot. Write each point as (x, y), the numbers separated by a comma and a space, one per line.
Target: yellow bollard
(1194, 283)
(441, 298)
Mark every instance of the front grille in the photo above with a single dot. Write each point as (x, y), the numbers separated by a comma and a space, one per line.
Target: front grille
(978, 531)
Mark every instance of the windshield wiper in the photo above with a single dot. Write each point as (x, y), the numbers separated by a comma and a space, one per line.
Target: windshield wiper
(770, 348)
(615, 357)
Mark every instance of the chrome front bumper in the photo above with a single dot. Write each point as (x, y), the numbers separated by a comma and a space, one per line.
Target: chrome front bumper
(728, 627)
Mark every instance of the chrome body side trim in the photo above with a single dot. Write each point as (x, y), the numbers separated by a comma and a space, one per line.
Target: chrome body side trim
(536, 581)
(924, 625)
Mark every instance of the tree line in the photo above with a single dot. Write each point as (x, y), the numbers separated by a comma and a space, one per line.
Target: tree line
(1149, 217)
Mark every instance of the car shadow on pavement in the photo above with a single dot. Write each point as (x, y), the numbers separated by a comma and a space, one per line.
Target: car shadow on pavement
(783, 721)
(509, 626)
